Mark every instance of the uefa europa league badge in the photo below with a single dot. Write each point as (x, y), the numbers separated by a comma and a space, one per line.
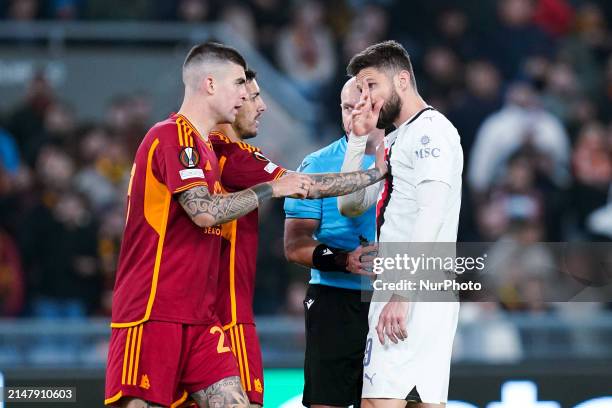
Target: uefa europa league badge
(189, 157)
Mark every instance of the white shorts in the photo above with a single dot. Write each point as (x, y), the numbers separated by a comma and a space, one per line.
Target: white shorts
(422, 360)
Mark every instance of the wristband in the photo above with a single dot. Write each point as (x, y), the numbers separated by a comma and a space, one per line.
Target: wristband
(328, 259)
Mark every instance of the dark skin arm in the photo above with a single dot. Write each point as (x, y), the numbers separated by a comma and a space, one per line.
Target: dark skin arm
(300, 245)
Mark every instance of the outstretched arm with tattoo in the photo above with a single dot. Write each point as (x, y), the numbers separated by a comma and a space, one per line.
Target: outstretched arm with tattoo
(206, 209)
(338, 184)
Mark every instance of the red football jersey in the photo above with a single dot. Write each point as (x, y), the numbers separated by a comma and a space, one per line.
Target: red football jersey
(241, 166)
(168, 266)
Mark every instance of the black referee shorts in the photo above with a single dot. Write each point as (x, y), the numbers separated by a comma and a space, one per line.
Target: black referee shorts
(336, 331)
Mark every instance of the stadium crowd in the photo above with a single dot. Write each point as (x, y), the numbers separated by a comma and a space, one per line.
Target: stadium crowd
(528, 84)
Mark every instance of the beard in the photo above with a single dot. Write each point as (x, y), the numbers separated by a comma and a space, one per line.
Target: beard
(244, 132)
(247, 135)
(389, 111)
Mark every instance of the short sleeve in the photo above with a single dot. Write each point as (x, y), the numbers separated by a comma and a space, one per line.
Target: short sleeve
(434, 155)
(311, 209)
(181, 165)
(243, 169)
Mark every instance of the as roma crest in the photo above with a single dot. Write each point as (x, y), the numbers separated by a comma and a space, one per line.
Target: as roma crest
(189, 157)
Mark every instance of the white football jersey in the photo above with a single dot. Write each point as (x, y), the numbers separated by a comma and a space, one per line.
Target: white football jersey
(424, 148)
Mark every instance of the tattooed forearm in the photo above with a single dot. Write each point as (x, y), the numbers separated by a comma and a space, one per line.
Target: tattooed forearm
(221, 208)
(263, 191)
(222, 394)
(337, 184)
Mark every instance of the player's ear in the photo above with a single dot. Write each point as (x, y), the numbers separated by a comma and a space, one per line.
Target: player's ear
(403, 80)
(208, 84)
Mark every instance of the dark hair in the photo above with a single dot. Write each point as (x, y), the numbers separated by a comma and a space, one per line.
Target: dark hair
(250, 74)
(385, 55)
(216, 51)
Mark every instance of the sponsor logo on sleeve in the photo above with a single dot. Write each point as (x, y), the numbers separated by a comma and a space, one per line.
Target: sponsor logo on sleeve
(270, 167)
(191, 173)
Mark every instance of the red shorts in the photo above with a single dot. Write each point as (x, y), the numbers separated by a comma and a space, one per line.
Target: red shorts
(162, 362)
(245, 346)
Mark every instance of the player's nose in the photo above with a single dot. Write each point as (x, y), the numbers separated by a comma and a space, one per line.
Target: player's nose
(262, 107)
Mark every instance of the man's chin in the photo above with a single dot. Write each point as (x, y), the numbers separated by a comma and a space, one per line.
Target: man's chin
(249, 135)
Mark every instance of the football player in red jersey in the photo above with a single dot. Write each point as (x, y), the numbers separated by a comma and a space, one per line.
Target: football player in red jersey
(242, 166)
(166, 335)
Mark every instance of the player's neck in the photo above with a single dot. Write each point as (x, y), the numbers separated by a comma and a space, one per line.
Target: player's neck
(412, 105)
(202, 120)
(228, 131)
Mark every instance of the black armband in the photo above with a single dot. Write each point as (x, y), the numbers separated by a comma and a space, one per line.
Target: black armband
(329, 259)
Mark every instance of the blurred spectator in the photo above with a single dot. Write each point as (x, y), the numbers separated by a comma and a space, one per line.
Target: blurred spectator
(240, 19)
(271, 17)
(127, 119)
(373, 21)
(516, 36)
(26, 123)
(521, 122)
(592, 169)
(12, 285)
(605, 102)
(62, 272)
(65, 9)
(480, 98)
(452, 31)
(443, 77)
(109, 243)
(9, 154)
(23, 10)
(515, 200)
(306, 50)
(118, 9)
(193, 11)
(554, 16)
(103, 177)
(561, 90)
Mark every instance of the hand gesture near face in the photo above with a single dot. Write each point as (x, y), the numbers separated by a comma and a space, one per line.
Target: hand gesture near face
(365, 114)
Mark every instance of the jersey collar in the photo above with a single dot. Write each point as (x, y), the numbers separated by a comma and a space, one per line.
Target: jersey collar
(416, 116)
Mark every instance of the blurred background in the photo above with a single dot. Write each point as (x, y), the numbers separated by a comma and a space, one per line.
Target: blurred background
(528, 84)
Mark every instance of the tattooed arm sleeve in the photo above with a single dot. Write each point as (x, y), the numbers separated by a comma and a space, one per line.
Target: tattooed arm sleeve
(207, 209)
(337, 184)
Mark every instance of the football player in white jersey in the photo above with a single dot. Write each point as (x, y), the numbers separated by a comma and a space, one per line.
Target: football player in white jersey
(409, 345)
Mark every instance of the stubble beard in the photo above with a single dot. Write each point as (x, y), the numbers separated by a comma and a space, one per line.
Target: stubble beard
(389, 111)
